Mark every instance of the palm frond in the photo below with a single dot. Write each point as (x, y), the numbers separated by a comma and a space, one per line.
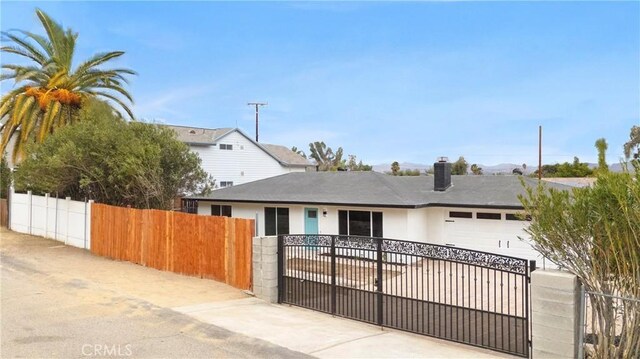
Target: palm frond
(54, 33)
(40, 40)
(116, 100)
(19, 51)
(36, 55)
(116, 88)
(97, 59)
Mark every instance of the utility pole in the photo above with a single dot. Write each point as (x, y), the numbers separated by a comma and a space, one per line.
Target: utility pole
(539, 153)
(257, 105)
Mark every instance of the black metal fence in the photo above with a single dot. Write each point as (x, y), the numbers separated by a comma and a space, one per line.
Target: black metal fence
(609, 326)
(451, 293)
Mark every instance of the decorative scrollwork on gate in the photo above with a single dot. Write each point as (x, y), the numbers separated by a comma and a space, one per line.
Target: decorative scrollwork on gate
(306, 240)
(489, 260)
(355, 242)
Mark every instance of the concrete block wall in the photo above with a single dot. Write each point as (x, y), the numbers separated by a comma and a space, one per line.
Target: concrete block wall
(555, 314)
(265, 268)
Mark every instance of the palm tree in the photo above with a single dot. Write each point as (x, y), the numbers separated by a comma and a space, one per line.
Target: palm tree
(49, 92)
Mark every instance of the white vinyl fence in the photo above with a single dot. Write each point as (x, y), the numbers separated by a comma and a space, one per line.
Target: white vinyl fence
(61, 219)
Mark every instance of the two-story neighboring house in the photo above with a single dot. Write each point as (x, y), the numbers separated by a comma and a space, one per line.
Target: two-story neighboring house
(232, 158)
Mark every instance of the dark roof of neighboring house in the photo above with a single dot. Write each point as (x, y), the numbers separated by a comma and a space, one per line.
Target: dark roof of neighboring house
(209, 136)
(373, 189)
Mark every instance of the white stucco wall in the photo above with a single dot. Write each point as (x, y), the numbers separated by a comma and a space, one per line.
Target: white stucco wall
(429, 225)
(394, 221)
(246, 162)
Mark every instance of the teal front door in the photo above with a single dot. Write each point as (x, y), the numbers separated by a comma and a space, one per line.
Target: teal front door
(310, 221)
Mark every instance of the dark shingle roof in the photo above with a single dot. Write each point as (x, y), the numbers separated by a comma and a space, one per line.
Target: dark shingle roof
(373, 189)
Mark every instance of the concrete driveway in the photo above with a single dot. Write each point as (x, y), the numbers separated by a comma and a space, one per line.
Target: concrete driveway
(59, 301)
(63, 302)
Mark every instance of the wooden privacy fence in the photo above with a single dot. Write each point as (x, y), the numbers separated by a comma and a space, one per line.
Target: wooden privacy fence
(206, 246)
(4, 212)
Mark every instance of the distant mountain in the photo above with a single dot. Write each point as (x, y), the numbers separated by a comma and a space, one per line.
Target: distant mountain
(502, 168)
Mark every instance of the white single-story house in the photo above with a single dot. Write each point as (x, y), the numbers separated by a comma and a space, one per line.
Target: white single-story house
(233, 158)
(474, 212)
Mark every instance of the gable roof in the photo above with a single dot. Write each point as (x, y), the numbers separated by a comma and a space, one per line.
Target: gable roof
(199, 136)
(373, 189)
(286, 154)
(210, 136)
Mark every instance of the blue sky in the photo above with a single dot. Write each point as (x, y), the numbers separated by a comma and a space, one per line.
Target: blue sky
(386, 81)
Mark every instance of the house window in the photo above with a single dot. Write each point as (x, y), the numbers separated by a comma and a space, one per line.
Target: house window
(224, 184)
(517, 217)
(360, 223)
(454, 214)
(482, 215)
(225, 146)
(219, 210)
(190, 206)
(276, 221)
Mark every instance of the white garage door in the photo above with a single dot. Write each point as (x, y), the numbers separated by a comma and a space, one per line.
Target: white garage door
(490, 231)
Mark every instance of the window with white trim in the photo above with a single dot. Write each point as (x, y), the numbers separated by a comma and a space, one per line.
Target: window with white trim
(220, 210)
(224, 184)
(276, 221)
(226, 146)
(360, 223)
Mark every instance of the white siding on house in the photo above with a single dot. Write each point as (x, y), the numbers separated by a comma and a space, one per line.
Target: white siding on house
(246, 162)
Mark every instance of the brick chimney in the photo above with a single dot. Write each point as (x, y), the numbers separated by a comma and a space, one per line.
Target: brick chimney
(441, 174)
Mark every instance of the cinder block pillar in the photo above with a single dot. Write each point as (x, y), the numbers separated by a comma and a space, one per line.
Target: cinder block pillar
(555, 311)
(265, 268)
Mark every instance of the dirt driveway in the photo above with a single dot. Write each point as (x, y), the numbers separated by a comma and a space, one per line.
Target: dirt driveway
(59, 301)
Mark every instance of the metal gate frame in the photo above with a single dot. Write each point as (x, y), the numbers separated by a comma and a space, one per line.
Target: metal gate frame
(471, 297)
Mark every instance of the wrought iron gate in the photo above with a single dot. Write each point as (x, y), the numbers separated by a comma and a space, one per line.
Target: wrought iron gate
(451, 293)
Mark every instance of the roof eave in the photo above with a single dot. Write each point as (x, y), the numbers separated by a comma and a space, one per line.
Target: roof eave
(374, 205)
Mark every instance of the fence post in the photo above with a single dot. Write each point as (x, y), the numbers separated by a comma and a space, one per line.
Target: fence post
(581, 321)
(9, 200)
(55, 234)
(379, 279)
(87, 216)
(68, 202)
(555, 304)
(333, 276)
(527, 290)
(46, 215)
(281, 289)
(30, 209)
